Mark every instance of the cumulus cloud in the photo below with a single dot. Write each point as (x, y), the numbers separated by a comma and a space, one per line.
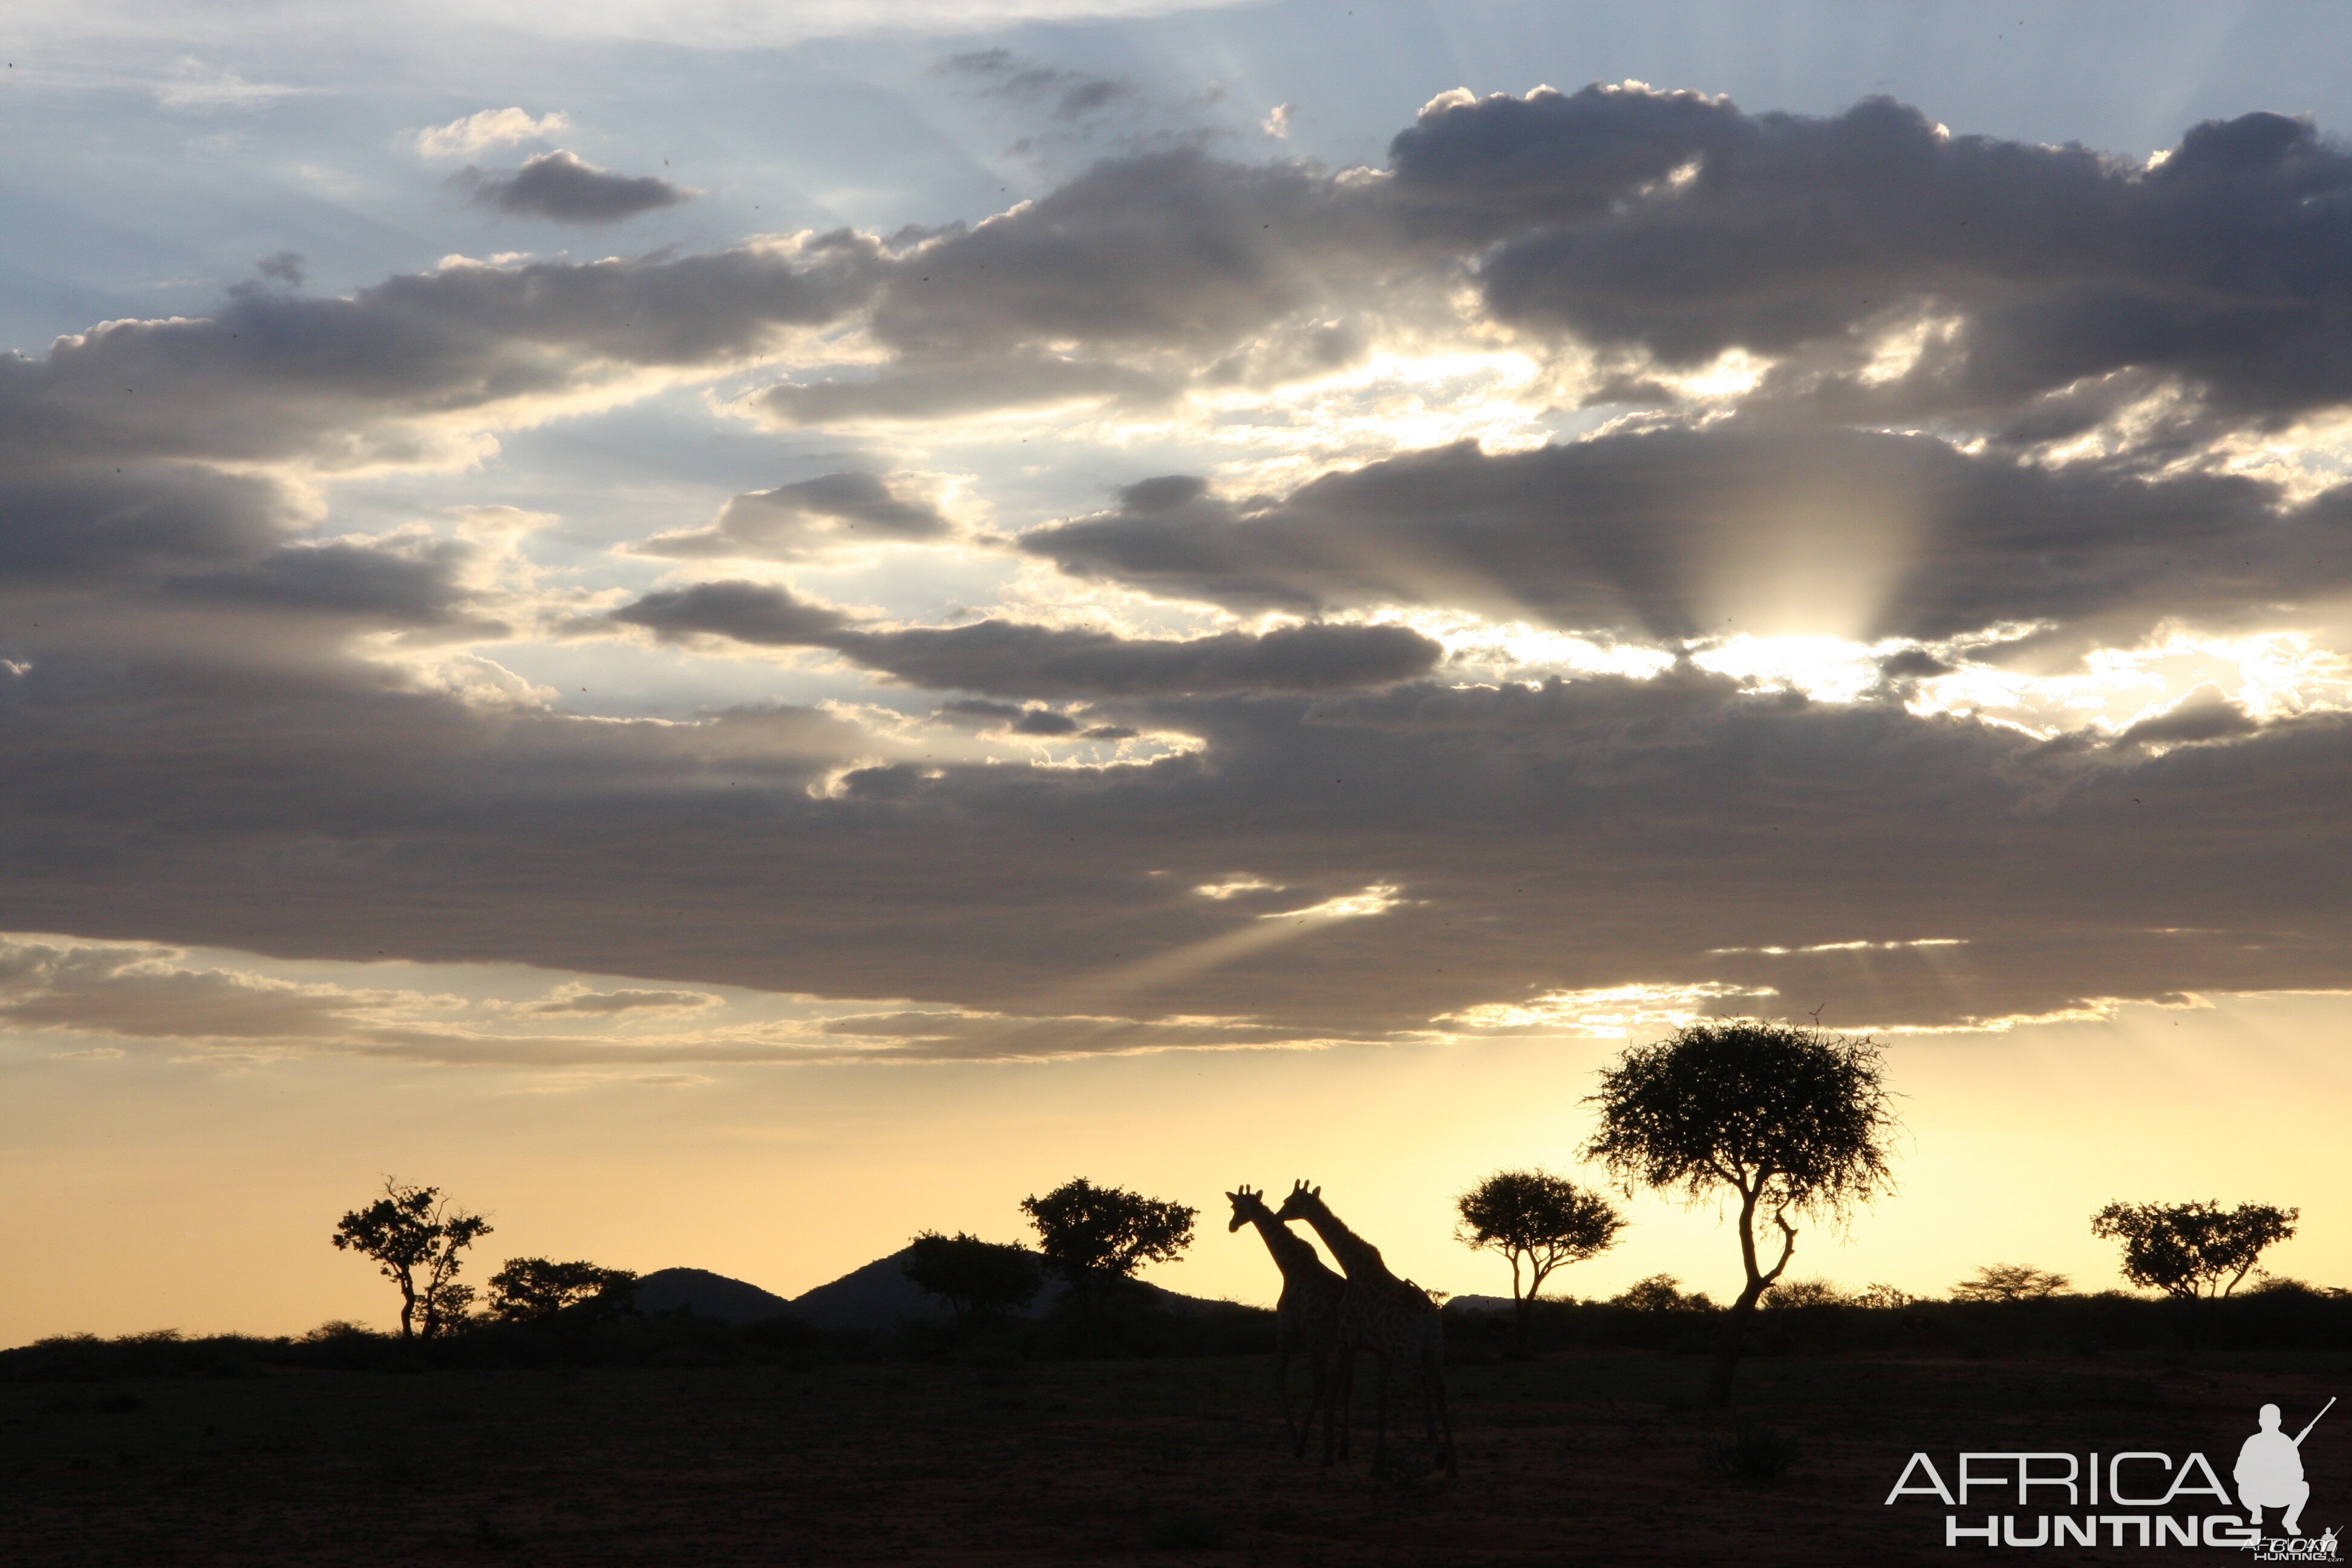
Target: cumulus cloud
(471, 136)
(563, 188)
(1682, 226)
(1536, 848)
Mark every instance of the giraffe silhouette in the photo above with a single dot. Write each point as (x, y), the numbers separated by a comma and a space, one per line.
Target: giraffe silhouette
(1394, 1319)
(1307, 1315)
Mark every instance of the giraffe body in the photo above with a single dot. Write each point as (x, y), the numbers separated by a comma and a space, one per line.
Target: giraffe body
(1308, 1316)
(1394, 1319)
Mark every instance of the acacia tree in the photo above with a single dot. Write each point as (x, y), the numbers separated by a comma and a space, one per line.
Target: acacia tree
(2186, 1250)
(535, 1290)
(976, 1278)
(2009, 1282)
(1787, 1120)
(415, 1239)
(1094, 1236)
(1538, 1221)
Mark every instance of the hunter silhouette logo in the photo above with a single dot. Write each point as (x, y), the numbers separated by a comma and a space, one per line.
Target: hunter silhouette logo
(2136, 1498)
(2270, 1471)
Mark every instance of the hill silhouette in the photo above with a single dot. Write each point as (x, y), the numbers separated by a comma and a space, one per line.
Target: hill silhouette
(871, 1299)
(707, 1295)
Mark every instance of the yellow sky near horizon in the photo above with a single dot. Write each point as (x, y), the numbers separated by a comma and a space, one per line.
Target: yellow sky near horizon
(159, 1187)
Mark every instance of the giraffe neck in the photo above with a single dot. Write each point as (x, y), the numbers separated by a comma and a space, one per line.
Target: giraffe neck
(1290, 1253)
(1360, 1258)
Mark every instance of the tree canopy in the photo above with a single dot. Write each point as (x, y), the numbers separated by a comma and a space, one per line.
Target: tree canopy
(417, 1240)
(536, 1289)
(1092, 1236)
(1785, 1118)
(2188, 1251)
(976, 1278)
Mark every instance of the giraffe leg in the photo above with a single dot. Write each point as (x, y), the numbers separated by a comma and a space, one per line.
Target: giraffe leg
(1282, 1391)
(1334, 1435)
(1317, 1364)
(1348, 1407)
(1380, 1427)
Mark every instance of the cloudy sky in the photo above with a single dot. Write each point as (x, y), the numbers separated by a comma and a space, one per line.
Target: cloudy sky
(736, 631)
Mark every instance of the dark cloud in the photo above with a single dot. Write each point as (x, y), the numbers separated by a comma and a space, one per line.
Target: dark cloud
(746, 612)
(346, 382)
(2205, 714)
(1675, 532)
(562, 188)
(284, 267)
(97, 523)
(611, 1003)
(1588, 833)
(1015, 661)
(1169, 250)
(1008, 658)
(794, 520)
(1069, 94)
(1044, 721)
(418, 585)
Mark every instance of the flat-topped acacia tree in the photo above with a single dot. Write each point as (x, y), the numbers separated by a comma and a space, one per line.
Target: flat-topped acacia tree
(1788, 1119)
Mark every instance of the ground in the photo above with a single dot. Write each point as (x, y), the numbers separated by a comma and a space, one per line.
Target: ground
(1599, 1458)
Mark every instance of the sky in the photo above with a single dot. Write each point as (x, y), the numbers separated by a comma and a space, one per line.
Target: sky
(733, 632)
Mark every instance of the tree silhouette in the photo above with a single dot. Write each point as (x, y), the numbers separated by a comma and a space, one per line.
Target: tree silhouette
(1538, 1221)
(415, 1239)
(1094, 1236)
(1661, 1293)
(976, 1278)
(1788, 1119)
(2009, 1282)
(2186, 1250)
(535, 1290)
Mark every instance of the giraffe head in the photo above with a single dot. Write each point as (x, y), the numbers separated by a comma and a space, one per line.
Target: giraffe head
(1304, 1203)
(1249, 1207)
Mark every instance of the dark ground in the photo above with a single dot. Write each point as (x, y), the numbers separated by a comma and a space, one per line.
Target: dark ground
(1599, 1457)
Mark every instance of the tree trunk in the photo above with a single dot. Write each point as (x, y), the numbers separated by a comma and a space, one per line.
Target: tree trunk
(1726, 1354)
(1522, 1308)
(1726, 1350)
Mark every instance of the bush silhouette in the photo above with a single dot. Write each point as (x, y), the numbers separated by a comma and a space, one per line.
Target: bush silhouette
(2009, 1282)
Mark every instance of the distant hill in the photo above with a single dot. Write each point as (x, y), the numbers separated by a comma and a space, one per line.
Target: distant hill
(871, 1299)
(707, 1295)
(879, 1295)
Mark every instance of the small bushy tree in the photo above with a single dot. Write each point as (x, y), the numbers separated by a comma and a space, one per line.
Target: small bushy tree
(976, 1278)
(1782, 1119)
(2189, 1250)
(2009, 1282)
(1661, 1293)
(1094, 1236)
(535, 1290)
(417, 1241)
(1538, 1221)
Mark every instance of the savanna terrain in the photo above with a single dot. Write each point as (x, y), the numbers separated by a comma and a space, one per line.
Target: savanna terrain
(1596, 1455)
